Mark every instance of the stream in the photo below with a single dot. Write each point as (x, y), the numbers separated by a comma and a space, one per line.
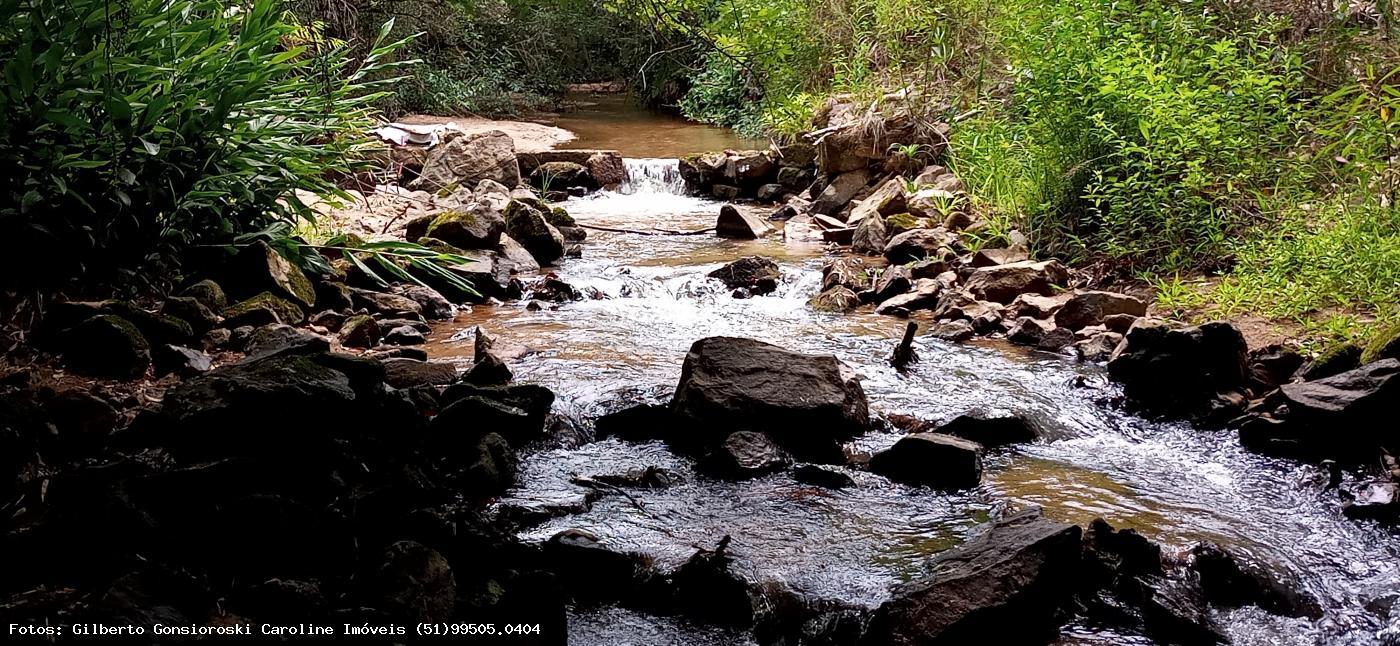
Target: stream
(1174, 483)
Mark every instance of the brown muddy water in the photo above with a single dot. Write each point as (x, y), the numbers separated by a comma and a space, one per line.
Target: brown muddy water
(1172, 482)
(614, 122)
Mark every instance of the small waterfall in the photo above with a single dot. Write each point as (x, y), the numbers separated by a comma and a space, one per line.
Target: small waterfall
(653, 176)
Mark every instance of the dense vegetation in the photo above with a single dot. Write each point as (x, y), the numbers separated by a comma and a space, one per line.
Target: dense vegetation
(1250, 143)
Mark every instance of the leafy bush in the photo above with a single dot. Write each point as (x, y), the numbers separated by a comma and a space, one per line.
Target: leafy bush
(136, 130)
(722, 93)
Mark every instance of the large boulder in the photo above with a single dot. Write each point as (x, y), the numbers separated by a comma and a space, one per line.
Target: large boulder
(887, 200)
(529, 226)
(1007, 586)
(1003, 283)
(562, 175)
(807, 403)
(607, 169)
(259, 268)
(468, 159)
(1343, 416)
(870, 236)
(1092, 307)
(839, 192)
(475, 226)
(919, 244)
(931, 459)
(736, 224)
(106, 346)
(1179, 369)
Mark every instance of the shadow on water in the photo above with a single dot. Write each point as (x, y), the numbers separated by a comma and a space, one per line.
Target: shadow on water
(1174, 483)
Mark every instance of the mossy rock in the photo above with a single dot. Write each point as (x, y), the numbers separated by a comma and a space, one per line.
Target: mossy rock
(417, 228)
(1385, 344)
(1334, 360)
(477, 227)
(209, 293)
(107, 345)
(286, 311)
(558, 217)
(159, 329)
(259, 268)
(360, 331)
(901, 222)
(837, 299)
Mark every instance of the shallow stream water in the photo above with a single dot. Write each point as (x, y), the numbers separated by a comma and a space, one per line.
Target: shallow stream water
(1174, 483)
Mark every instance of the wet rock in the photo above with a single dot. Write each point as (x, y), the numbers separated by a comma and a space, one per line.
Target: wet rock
(491, 467)
(839, 192)
(560, 175)
(745, 454)
(1378, 501)
(263, 309)
(1006, 586)
(795, 179)
(725, 192)
(259, 268)
(474, 226)
(415, 583)
(870, 236)
(359, 331)
(1119, 323)
(757, 274)
(739, 225)
(805, 402)
(469, 159)
(835, 300)
(1092, 308)
(931, 459)
(1003, 283)
(488, 370)
(404, 335)
(770, 192)
(923, 295)
(528, 226)
(1178, 369)
(410, 373)
(637, 423)
(848, 272)
(106, 346)
(283, 339)
(1227, 581)
(208, 293)
(1099, 347)
(992, 430)
(1055, 340)
(1028, 331)
(649, 477)
(590, 569)
(952, 331)
(460, 424)
(887, 200)
(179, 360)
(1385, 344)
(417, 354)
(607, 169)
(919, 245)
(553, 289)
(893, 281)
(332, 295)
(820, 476)
(707, 588)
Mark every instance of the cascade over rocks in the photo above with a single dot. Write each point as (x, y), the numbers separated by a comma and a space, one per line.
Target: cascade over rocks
(806, 403)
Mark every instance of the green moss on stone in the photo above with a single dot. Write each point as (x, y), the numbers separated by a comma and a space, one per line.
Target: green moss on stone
(209, 293)
(286, 311)
(558, 217)
(901, 222)
(1385, 344)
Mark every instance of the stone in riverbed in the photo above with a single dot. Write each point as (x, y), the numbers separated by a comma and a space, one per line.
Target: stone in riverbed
(529, 227)
(923, 295)
(1093, 307)
(1231, 582)
(469, 159)
(931, 459)
(1007, 586)
(1028, 331)
(1003, 283)
(820, 476)
(1346, 415)
(840, 191)
(920, 244)
(870, 236)
(562, 175)
(757, 274)
(952, 331)
(739, 225)
(259, 268)
(804, 402)
(1179, 369)
(411, 373)
(848, 272)
(474, 226)
(404, 335)
(746, 454)
(992, 430)
(1378, 501)
(359, 331)
(835, 300)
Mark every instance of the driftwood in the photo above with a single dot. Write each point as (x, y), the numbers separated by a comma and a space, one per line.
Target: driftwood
(653, 232)
(904, 354)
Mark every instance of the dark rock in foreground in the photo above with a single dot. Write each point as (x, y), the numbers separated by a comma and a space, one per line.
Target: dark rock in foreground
(804, 402)
(1179, 369)
(932, 459)
(1005, 587)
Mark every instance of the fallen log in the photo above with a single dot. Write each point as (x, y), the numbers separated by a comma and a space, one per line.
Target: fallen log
(904, 354)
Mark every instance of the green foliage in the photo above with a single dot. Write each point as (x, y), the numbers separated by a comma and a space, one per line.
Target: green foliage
(723, 94)
(395, 258)
(135, 130)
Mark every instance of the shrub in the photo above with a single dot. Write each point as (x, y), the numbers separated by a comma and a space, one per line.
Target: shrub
(136, 130)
